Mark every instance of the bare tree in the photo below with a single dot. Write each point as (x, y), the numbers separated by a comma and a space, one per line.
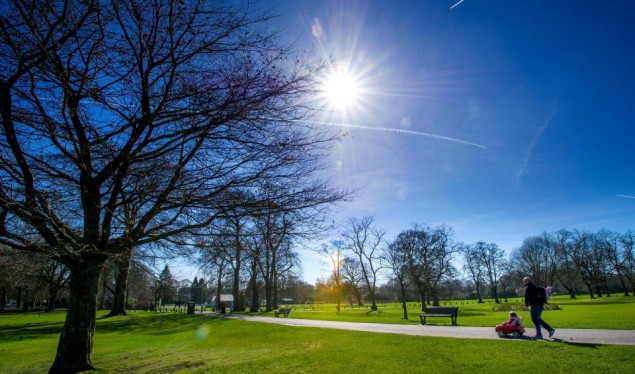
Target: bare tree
(397, 261)
(534, 258)
(492, 259)
(429, 254)
(628, 252)
(275, 232)
(334, 253)
(567, 273)
(98, 97)
(584, 259)
(366, 241)
(352, 275)
(611, 245)
(474, 268)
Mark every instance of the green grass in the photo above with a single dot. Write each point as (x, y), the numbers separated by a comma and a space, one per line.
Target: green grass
(176, 343)
(607, 313)
(146, 342)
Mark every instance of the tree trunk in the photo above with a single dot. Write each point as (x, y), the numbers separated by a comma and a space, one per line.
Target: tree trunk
(268, 295)
(435, 297)
(478, 293)
(598, 290)
(120, 296)
(591, 294)
(18, 299)
(219, 285)
(404, 306)
(253, 284)
(274, 291)
(373, 305)
(338, 296)
(74, 350)
(255, 302)
(52, 298)
(623, 283)
(25, 304)
(495, 293)
(422, 297)
(360, 299)
(238, 305)
(3, 298)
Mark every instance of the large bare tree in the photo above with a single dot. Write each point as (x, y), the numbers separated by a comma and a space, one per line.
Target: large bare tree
(474, 268)
(428, 252)
(159, 105)
(366, 241)
(397, 261)
(492, 259)
(334, 254)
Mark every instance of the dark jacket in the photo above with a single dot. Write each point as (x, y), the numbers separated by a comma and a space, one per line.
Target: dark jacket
(531, 295)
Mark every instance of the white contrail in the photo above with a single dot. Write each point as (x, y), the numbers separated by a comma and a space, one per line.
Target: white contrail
(534, 141)
(455, 5)
(626, 196)
(390, 129)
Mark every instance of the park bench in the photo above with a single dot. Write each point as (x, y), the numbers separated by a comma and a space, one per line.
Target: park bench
(440, 311)
(283, 311)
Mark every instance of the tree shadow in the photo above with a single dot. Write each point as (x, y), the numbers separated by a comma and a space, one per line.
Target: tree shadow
(30, 331)
(577, 344)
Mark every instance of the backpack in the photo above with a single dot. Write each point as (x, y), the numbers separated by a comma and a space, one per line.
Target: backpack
(541, 295)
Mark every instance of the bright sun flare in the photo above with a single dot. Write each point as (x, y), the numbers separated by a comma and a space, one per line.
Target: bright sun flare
(341, 90)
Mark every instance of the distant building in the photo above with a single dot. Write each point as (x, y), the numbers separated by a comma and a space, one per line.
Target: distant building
(227, 299)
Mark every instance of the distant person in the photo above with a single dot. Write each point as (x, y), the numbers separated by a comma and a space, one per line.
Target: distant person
(535, 297)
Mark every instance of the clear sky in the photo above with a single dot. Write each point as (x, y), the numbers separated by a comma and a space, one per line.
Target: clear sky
(500, 118)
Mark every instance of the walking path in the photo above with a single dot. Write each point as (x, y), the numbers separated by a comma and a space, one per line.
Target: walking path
(568, 336)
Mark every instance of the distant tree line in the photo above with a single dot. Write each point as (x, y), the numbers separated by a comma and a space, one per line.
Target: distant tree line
(420, 264)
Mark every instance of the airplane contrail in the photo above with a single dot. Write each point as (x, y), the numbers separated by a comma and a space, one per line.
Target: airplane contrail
(455, 5)
(626, 196)
(402, 131)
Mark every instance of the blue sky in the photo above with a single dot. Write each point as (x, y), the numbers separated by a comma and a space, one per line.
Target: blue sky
(542, 90)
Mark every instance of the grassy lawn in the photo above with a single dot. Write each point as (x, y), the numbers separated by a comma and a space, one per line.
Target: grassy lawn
(175, 343)
(616, 312)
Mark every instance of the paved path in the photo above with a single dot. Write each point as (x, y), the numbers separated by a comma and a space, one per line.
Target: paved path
(569, 336)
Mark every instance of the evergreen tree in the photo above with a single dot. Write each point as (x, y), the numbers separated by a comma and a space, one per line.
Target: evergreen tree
(165, 286)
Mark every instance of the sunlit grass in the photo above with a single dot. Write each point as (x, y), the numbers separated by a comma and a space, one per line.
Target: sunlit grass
(148, 342)
(615, 312)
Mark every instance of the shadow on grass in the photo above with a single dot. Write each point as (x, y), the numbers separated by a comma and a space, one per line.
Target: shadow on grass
(554, 340)
(30, 331)
(575, 344)
(157, 324)
(154, 324)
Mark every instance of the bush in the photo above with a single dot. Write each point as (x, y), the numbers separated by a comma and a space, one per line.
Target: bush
(508, 307)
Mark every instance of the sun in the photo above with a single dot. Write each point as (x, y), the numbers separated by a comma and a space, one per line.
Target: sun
(341, 90)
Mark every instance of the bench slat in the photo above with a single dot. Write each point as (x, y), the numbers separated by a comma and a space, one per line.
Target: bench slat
(451, 312)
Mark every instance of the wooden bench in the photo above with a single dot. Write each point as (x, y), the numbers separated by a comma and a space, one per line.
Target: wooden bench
(440, 311)
(283, 311)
